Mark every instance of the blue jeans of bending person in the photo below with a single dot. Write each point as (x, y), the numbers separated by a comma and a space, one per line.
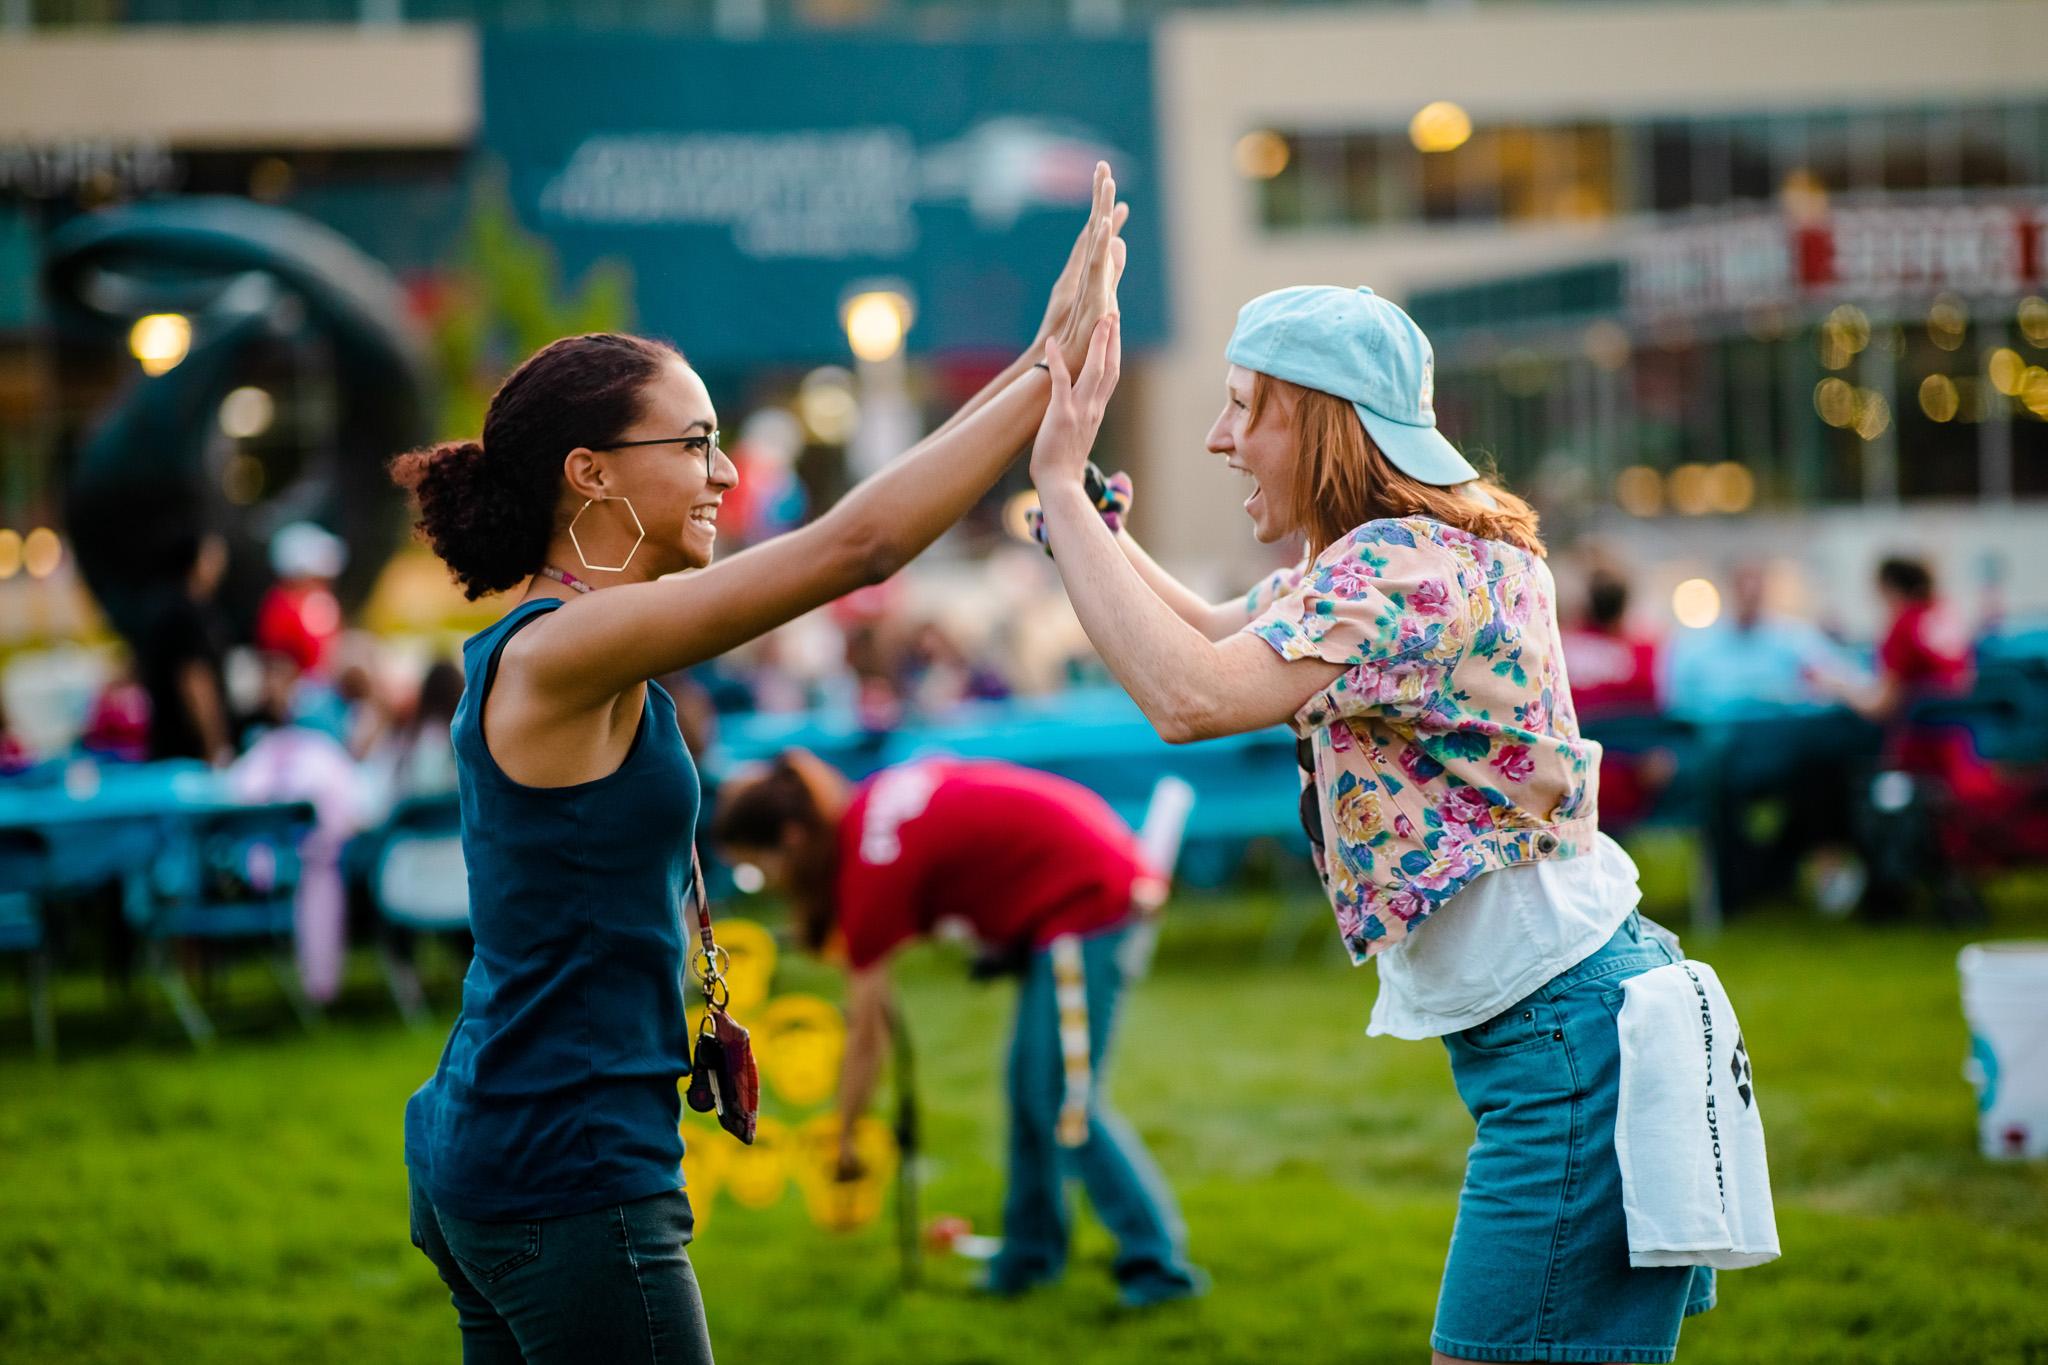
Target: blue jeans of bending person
(1125, 1187)
(613, 1286)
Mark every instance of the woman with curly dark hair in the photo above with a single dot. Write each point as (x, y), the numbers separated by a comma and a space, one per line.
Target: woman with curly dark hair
(544, 1153)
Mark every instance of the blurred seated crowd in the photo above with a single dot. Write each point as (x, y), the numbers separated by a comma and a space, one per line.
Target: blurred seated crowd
(1866, 771)
(1801, 756)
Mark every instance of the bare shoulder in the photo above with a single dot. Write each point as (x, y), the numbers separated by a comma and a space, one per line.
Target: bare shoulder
(544, 736)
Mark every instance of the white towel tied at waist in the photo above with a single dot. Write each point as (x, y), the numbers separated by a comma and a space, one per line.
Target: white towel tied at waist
(1694, 1181)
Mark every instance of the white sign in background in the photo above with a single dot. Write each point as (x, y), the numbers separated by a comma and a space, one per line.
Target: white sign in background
(822, 194)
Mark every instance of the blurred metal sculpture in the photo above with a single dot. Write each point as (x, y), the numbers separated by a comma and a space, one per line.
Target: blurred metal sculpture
(140, 494)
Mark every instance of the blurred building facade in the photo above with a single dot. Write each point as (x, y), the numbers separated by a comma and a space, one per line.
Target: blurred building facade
(1712, 280)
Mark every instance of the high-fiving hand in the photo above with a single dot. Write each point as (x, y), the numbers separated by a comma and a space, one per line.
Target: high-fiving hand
(1059, 306)
(1073, 415)
(1086, 290)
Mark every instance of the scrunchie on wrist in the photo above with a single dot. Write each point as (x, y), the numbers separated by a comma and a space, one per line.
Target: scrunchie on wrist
(1112, 495)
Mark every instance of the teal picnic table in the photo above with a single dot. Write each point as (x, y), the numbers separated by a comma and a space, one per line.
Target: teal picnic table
(155, 830)
(103, 821)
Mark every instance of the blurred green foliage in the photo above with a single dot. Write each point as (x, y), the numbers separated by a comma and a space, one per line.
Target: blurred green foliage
(506, 299)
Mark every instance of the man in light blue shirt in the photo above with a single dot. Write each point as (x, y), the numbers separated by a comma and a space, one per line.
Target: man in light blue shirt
(1768, 688)
(1750, 662)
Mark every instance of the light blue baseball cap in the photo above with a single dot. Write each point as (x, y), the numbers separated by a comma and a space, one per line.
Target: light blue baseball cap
(1354, 344)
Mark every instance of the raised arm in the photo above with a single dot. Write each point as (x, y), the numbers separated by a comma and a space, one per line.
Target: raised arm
(1059, 314)
(1189, 685)
(600, 644)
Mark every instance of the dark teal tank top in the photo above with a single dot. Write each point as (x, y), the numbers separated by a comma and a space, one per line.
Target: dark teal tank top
(556, 1093)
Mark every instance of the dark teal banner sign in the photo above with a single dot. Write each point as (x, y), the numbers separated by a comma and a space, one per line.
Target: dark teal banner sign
(752, 186)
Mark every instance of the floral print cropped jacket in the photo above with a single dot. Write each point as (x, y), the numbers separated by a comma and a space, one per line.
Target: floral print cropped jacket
(1450, 747)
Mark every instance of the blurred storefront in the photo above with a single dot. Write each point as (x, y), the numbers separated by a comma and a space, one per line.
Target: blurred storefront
(1869, 365)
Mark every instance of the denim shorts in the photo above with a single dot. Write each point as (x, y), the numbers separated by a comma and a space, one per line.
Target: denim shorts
(1538, 1267)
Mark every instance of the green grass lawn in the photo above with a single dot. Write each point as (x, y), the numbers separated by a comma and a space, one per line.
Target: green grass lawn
(248, 1204)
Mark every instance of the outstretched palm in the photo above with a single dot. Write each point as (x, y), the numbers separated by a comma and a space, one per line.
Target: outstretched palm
(1086, 290)
(1059, 306)
(1073, 415)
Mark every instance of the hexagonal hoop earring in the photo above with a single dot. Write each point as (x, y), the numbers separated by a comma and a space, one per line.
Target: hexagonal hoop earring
(619, 567)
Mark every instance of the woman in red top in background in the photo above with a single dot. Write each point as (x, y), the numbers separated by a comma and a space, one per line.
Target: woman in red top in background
(1614, 672)
(1981, 815)
(1925, 653)
(1041, 873)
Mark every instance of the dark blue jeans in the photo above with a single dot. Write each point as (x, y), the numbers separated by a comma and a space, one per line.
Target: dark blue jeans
(611, 1285)
(1123, 1184)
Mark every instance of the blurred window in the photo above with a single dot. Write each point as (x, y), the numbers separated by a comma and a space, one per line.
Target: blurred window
(1938, 443)
(1752, 169)
(1280, 193)
(1908, 153)
(1581, 170)
(2029, 458)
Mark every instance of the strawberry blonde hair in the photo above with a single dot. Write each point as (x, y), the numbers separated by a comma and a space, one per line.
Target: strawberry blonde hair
(1342, 479)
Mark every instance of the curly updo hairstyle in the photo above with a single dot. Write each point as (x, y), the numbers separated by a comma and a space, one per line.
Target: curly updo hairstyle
(490, 507)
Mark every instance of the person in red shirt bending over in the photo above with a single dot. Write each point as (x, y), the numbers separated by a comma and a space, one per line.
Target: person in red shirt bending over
(1043, 875)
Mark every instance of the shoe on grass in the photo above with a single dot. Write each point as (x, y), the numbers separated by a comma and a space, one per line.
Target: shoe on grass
(1151, 1288)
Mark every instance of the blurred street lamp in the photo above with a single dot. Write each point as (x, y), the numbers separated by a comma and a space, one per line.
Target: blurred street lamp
(160, 341)
(10, 553)
(1440, 126)
(2033, 319)
(1606, 344)
(2034, 390)
(1803, 197)
(1835, 401)
(1690, 491)
(247, 412)
(1640, 491)
(1017, 514)
(41, 552)
(2006, 371)
(826, 406)
(1948, 321)
(1873, 414)
(1261, 155)
(1696, 603)
(1848, 327)
(876, 319)
(875, 323)
(1731, 488)
(1939, 398)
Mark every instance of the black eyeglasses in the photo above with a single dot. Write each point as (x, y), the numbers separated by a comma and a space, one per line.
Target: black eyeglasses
(1311, 801)
(705, 445)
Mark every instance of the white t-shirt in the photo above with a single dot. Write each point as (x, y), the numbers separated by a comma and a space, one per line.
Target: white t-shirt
(1500, 938)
